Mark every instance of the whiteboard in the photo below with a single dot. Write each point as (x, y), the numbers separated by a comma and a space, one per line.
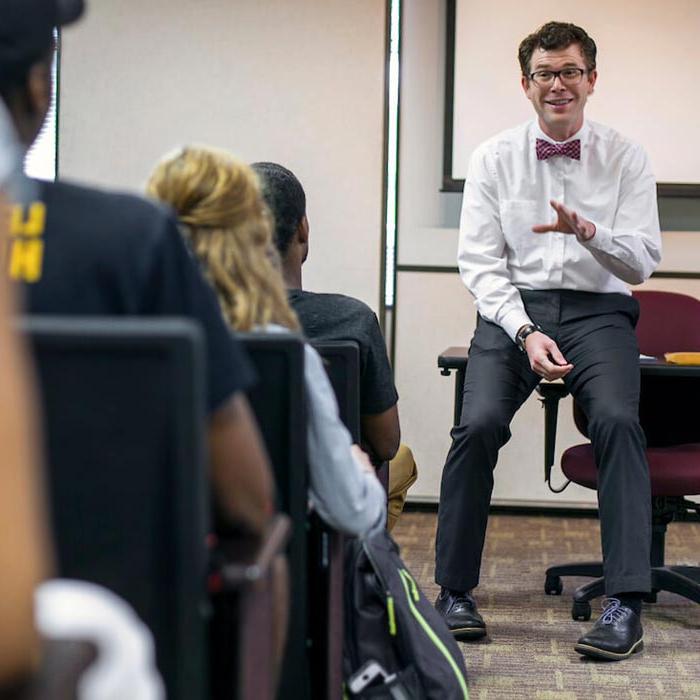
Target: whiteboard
(648, 74)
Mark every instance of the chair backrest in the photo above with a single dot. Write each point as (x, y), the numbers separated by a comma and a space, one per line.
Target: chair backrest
(278, 400)
(341, 359)
(124, 412)
(668, 322)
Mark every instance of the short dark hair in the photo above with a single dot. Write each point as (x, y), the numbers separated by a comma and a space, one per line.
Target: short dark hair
(26, 34)
(556, 35)
(286, 199)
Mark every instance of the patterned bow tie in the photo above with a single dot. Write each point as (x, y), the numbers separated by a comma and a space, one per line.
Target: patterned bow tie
(546, 149)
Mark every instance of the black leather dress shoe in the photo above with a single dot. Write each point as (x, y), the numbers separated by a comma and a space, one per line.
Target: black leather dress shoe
(616, 635)
(460, 614)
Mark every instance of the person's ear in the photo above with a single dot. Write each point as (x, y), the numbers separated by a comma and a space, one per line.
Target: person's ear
(39, 89)
(592, 77)
(303, 230)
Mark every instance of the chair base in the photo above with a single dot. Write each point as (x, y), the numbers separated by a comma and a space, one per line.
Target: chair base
(682, 580)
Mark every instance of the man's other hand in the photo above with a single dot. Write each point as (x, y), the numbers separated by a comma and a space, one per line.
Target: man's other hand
(568, 221)
(545, 357)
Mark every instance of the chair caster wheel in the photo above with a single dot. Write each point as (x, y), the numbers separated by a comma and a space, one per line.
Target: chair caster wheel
(581, 610)
(553, 585)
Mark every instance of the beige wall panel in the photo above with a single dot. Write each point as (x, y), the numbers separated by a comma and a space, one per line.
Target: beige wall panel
(301, 83)
(681, 251)
(434, 312)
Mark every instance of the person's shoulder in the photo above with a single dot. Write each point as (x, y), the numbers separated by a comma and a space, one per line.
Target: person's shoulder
(612, 139)
(514, 139)
(102, 209)
(339, 303)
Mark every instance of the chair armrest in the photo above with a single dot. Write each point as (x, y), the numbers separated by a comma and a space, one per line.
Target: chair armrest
(245, 560)
(550, 395)
(244, 629)
(326, 585)
(455, 357)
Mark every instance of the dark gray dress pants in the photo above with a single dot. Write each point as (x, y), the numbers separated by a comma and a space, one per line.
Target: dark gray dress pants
(595, 332)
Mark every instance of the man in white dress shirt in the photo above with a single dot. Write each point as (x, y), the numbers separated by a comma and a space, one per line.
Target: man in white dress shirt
(553, 302)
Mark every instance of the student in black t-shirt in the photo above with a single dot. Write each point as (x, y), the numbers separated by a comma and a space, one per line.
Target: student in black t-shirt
(79, 251)
(339, 317)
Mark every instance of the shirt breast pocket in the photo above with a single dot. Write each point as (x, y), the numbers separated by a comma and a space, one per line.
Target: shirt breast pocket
(518, 216)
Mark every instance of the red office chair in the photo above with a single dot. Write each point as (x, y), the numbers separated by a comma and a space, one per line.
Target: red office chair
(668, 322)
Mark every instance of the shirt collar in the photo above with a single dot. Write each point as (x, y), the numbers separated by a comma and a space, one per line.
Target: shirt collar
(581, 134)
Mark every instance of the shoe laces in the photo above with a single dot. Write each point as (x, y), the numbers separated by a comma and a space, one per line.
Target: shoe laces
(613, 611)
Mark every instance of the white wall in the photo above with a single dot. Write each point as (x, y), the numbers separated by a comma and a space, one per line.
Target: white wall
(300, 83)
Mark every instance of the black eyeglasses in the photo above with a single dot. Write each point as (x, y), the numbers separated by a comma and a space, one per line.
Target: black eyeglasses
(568, 76)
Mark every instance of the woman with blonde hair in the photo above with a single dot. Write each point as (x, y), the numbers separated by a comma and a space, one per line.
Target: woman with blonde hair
(228, 227)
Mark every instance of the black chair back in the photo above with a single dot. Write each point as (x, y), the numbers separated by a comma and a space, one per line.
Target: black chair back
(342, 362)
(124, 412)
(278, 400)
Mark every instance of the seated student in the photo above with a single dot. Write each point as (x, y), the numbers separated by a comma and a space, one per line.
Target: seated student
(81, 251)
(340, 317)
(228, 227)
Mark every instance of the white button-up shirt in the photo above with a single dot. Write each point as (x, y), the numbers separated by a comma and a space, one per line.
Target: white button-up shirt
(507, 191)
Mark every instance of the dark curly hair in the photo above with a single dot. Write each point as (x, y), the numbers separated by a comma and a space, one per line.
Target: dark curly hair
(286, 199)
(556, 35)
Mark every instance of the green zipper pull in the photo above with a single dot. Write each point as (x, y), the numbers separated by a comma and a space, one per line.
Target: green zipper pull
(390, 611)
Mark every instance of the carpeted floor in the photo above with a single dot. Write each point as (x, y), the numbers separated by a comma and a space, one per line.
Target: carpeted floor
(529, 651)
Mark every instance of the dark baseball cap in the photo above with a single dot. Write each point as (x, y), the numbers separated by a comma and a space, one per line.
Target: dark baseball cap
(26, 27)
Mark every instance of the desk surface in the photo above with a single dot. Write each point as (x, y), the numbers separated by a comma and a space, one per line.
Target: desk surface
(455, 357)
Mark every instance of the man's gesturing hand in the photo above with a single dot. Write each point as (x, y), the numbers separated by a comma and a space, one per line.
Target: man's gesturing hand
(545, 357)
(568, 221)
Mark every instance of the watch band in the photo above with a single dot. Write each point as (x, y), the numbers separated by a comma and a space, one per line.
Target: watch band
(523, 333)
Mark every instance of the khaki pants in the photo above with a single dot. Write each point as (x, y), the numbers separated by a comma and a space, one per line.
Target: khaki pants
(402, 473)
